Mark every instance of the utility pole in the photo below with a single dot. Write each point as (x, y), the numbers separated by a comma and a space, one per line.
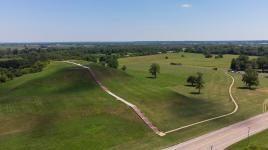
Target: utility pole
(248, 135)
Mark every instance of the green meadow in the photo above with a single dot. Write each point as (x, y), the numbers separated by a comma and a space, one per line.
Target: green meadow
(63, 108)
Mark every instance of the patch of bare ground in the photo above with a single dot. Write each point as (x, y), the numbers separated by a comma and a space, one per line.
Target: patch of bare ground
(263, 90)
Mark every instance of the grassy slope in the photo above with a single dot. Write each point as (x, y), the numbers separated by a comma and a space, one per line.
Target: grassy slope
(169, 103)
(62, 108)
(257, 142)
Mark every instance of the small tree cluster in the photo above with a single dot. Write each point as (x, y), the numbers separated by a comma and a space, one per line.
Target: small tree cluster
(208, 55)
(109, 60)
(242, 63)
(262, 63)
(196, 81)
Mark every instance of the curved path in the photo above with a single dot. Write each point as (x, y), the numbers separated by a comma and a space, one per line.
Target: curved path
(144, 118)
(135, 108)
(222, 116)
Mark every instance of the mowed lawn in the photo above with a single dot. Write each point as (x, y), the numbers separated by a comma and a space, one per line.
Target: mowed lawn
(62, 108)
(256, 142)
(170, 104)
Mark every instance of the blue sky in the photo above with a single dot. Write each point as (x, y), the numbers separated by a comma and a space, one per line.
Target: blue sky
(132, 20)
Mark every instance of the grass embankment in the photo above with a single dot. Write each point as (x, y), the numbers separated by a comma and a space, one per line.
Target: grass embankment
(62, 108)
(256, 142)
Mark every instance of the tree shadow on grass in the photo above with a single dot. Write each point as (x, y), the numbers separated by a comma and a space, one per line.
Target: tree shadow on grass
(150, 77)
(246, 88)
(195, 93)
(189, 85)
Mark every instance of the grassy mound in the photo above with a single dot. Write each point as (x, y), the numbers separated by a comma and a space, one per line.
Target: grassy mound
(63, 108)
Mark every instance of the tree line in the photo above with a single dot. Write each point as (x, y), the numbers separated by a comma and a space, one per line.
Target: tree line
(31, 62)
(244, 62)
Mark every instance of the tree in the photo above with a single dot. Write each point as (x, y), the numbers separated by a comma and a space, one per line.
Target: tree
(233, 64)
(3, 77)
(102, 60)
(124, 68)
(262, 63)
(112, 62)
(154, 69)
(199, 82)
(251, 78)
(191, 80)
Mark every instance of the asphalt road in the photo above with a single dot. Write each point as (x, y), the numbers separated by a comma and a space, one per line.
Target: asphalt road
(225, 137)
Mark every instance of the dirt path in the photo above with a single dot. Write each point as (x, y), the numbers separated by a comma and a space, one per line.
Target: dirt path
(223, 138)
(134, 108)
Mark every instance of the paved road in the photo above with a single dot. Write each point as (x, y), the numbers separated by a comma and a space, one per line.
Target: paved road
(225, 137)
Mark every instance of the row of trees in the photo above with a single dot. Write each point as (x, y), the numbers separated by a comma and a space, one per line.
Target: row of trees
(243, 62)
(95, 50)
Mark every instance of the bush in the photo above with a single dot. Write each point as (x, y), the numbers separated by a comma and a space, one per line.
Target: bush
(124, 68)
(175, 64)
(3, 78)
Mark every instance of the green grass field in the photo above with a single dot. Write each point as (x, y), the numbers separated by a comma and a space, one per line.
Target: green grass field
(256, 142)
(63, 108)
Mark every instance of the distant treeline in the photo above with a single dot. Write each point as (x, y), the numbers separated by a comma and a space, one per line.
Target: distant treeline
(19, 64)
(135, 50)
(14, 62)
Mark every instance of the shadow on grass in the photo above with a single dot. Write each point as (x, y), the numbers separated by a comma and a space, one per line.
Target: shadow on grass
(150, 77)
(246, 88)
(195, 93)
(62, 81)
(189, 85)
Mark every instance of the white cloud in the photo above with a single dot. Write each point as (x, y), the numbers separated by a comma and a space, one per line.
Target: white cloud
(186, 5)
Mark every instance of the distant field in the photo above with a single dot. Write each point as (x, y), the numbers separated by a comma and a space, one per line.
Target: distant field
(62, 108)
(257, 142)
